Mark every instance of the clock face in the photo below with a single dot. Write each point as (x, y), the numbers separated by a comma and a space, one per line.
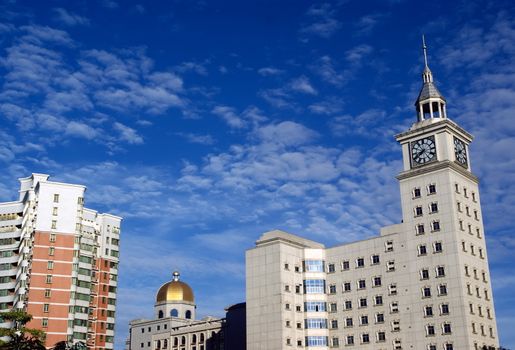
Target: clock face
(460, 152)
(423, 151)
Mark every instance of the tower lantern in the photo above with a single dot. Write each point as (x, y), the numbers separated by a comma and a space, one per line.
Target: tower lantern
(430, 102)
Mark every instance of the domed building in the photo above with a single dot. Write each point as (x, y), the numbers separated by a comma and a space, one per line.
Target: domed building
(175, 326)
(175, 299)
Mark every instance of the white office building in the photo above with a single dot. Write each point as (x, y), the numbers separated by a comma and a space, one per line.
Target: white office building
(422, 284)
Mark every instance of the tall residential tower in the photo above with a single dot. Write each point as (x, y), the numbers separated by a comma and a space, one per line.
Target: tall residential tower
(421, 284)
(59, 262)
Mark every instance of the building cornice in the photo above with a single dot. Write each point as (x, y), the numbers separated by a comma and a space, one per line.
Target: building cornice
(446, 164)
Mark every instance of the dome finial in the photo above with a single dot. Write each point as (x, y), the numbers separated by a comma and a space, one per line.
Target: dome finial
(176, 276)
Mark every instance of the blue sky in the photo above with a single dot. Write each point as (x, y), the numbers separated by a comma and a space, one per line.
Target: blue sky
(207, 123)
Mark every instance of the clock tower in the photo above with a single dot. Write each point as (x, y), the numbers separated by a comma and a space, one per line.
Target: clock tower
(441, 208)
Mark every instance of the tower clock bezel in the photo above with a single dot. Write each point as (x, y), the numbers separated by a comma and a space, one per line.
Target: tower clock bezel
(415, 159)
(460, 155)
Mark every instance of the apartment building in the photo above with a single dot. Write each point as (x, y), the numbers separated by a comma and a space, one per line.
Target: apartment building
(421, 284)
(59, 262)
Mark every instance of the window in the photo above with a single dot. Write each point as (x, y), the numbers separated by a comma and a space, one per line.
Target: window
(377, 281)
(50, 265)
(52, 237)
(435, 226)
(348, 322)
(332, 289)
(390, 266)
(360, 262)
(298, 308)
(457, 188)
(375, 259)
(381, 336)
(54, 211)
(465, 194)
(314, 265)
(440, 271)
(44, 322)
(48, 278)
(481, 255)
(365, 338)
(446, 328)
(361, 284)
(350, 340)
(422, 249)
(46, 307)
(317, 306)
(433, 207)
(426, 292)
(416, 192)
(394, 307)
(428, 311)
(298, 288)
(336, 342)
(54, 224)
(431, 189)
(348, 304)
(378, 300)
(363, 302)
(392, 289)
(420, 229)
(476, 215)
(288, 341)
(444, 309)
(380, 318)
(467, 273)
(430, 330)
(314, 286)
(442, 289)
(316, 341)
(461, 225)
(287, 323)
(287, 288)
(424, 274)
(330, 268)
(388, 246)
(345, 265)
(458, 206)
(486, 295)
(56, 198)
(333, 307)
(364, 320)
(473, 196)
(396, 325)
(418, 210)
(286, 265)
(346, 286)
(47, 293)
(334, 324)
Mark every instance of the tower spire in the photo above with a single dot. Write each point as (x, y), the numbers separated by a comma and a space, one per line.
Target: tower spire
(424, 47)
(430, 103)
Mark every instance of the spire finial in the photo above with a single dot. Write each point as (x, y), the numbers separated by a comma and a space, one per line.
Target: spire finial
(424, 47)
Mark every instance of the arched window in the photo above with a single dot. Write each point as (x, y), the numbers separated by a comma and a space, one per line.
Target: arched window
(188, 314)
(194, 338)
(158, 344)
(175, 341)
(183, 340)
(160, 314)
(174, 313)
(201, 337)
(165, 344)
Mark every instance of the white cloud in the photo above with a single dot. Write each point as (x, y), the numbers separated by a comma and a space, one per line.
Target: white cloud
(269, 71)
(356, 55)
(127, 134)
(228, 114)
(80, 130)
(302, 85)
(321, 21)
(69, 18)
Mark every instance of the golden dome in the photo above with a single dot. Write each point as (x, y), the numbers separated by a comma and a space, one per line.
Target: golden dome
(175, 290)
